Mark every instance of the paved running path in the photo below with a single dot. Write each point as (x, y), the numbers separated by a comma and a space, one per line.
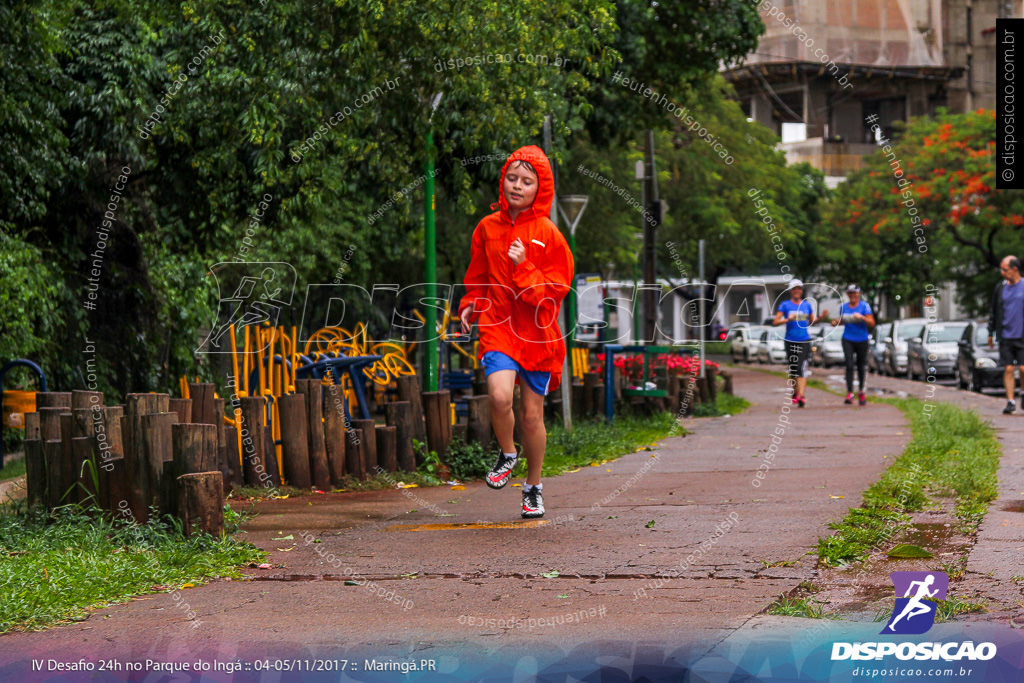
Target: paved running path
(481, 587)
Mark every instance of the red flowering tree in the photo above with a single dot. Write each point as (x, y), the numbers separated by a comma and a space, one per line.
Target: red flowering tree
(925, 209)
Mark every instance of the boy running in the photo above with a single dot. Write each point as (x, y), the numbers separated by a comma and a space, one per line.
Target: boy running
(519, 271)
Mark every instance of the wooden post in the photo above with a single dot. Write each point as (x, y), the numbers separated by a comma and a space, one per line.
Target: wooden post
(222, 447)
(354, 453)
(590, 381)
(83, 424)
(203, 408)
(81, 400)
(51, 456)
(437, 414)
(108, 447)
(114, 481)
(274, 476)
(253, 420)
(233, 457)
(479, 420)
(194, 448)
(334, 432)
(49, 422)
(702, 389)
(387, 448)
(32, 430)
(137, 406)
(68, 473)
(183, 407)
(369, 450)
(409, 390)
(479, 382)
(399, 415)
(295, 440)
(201, 502)
(35, 472)
(579, 393)
(712, 382)
(726, 381)
(310, 389)
(157, 449)
(53, 399)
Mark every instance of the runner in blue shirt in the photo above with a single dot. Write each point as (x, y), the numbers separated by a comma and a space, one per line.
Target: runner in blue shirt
(798, 315)
(858, 319)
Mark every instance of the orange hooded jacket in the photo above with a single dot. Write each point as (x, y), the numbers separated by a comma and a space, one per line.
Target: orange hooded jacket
(516, 307)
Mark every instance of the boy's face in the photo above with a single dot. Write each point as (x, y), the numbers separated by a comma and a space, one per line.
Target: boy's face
(520, 187)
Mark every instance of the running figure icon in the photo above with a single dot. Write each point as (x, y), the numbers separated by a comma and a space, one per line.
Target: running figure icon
(917, 594)
(914, 606)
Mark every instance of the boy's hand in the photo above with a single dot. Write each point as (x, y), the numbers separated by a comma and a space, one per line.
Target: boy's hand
(517, 252)
(464, 317)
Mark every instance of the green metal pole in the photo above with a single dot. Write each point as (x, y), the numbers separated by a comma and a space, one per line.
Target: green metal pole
(430, 249)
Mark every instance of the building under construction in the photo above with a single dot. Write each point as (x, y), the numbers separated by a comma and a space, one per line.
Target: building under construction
(823, 70)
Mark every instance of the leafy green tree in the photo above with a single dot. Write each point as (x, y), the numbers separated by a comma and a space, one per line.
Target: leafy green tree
(926, 210)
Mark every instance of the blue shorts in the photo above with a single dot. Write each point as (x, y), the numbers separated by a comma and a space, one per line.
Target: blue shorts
(535, 379)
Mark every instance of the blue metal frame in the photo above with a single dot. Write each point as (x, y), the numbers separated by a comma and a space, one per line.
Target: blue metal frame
(353, 365)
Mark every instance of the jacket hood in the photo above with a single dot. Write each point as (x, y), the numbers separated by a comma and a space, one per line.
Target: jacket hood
(545, 181)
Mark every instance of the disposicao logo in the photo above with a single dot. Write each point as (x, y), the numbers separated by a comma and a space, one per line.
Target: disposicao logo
(914, 615)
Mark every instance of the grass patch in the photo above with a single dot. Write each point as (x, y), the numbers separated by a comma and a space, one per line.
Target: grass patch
(725, 404)
(718, 348)
(594, 441)
(799, 607)
(56, 569)
(953, 454)
(12, 469)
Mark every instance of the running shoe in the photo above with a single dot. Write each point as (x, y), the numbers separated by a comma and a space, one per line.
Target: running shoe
(1010, 408)
(796, 399)
(849, 399)
(800, 401)
(533, 503)
(862, 399)
(502, 471)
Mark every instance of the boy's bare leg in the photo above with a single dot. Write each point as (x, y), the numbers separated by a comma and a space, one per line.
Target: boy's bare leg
(535, 436)
(801, 386)
(500, 385)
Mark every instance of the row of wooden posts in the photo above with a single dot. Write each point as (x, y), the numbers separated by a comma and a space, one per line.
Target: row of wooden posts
(180, 456)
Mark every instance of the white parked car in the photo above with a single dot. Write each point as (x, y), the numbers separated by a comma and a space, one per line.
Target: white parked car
(772, 346)
(745, 341)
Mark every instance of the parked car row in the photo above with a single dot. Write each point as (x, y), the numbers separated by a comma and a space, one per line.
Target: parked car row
(917, 348)
(914, 348)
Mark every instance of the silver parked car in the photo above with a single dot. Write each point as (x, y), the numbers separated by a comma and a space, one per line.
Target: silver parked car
(876, 350)
(895, 359)
(772, 348)
(935, 351)
(827, 347)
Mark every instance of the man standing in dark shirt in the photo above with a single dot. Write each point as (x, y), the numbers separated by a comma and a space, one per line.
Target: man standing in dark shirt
(1006, 321)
